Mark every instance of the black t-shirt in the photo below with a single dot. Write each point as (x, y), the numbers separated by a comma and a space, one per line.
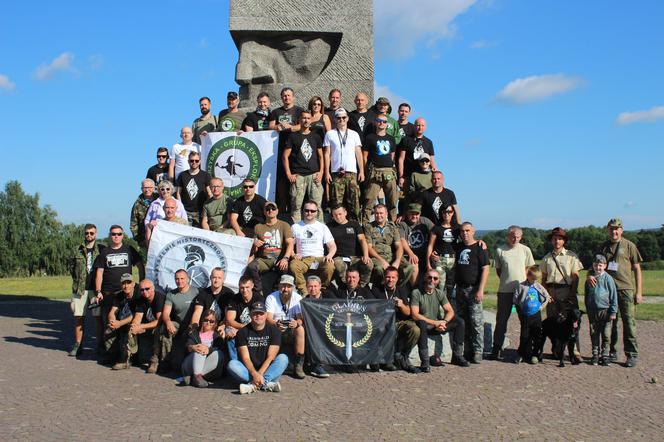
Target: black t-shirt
(318, 127)
(380, 292)
(407, 130)
(249, 213)
(241, 308)
(89, 265)
(217, 302)
(290, 116)
(256, 121)
(258, 342)
(414, 148)
(447, 240)
(193, 193)
(126, 306)
(432, 202)
(360, 122)
(380, 148)
(469, 263)
(158, 174)
(115, 263)
(303, 159)
(150, 309)
(343, 293)
(345, 237)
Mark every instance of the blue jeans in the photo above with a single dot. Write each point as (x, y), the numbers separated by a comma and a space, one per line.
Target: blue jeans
(232, 351)
(240, 373)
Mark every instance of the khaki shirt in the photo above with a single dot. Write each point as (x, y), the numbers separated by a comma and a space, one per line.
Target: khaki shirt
(628, 255)
(512, 263)
(215, 212)
(568, 262)
(382, 239)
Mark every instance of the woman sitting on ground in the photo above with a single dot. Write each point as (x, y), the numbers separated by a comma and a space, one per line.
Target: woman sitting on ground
(205, 360)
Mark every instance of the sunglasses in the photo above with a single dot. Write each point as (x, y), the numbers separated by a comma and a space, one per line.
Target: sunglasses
(449, 212)
(164, 189)
(309, 211)
(378, 120)
(248, 187)
(342, 118)
(209, 321)
(424, 161)
(144, 289)
(270, 209)
(215, 187)
(162, 156)
(89, 233)
(194, 161)
(433, 278)
(116, 234)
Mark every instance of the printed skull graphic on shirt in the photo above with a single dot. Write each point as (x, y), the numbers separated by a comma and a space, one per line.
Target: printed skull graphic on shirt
(464, 257)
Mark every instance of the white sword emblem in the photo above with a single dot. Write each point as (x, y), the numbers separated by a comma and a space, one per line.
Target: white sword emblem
(349, 336)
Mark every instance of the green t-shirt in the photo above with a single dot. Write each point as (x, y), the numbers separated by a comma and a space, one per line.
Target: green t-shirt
(182, 304)
(230, 121)
(430, 304)
(628, 255)
(215, 212)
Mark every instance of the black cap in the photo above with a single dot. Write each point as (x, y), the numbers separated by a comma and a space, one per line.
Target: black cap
(258, 306)
(232, 95)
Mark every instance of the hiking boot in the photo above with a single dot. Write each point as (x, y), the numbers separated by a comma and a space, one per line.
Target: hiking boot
(247, 388)
(425, 369)
(153, 367)
(318, 371)
(298, 371)
(435, 361)
(613, 357)
(120, 366)
(199, 381)
(460, 361)
(595, 360)
(273, 387)
(388, 367)
(374, 367)
(604, 361)
(76, 350)
(631, 362)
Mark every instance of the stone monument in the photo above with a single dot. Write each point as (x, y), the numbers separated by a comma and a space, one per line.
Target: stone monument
(310, 46)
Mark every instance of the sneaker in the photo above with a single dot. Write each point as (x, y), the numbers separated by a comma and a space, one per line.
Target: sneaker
(460, 361)
(631, 362)
(298, 372)
(120, 366)
(388, 367)
(76, 350)
(273, 387)
(435, 361)
(595, 360)
(153, 367)
(518, 360)
(247, 388)
(318, 371)
(199, 381)
(604, 361)
(424, 369)
(534, 360)
(613, 357)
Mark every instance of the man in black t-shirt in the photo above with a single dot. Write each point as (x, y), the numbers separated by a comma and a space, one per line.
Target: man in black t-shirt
(378, 152)
(470, 276)
(412, 149)
(352, 247)
(238, 311)
(258, 119)
(146, 319)
(193, 189)
(260, 364)
(216, 298)
(247, 210)
(159, 171)
(361, 118)
(284, 120)
(437, 197)
(303, 164)
(119, 343)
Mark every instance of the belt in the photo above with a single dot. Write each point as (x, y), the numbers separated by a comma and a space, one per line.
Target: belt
(344, 173)
(559, 286)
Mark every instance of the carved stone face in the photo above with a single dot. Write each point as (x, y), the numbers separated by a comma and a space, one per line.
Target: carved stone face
(268, 61)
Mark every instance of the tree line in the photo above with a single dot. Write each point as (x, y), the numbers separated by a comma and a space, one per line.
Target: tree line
(35, 242)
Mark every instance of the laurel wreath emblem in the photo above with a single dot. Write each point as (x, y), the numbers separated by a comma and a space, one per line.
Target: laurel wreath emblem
(338, 343)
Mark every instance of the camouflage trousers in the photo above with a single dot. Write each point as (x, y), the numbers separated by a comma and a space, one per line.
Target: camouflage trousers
(344, 190)
(472, 313)
(120, 342)
(194, 218)
(171, 347)
(299, 267)
(406, 269)
(305, 185)
(384, 178)
(342, 264)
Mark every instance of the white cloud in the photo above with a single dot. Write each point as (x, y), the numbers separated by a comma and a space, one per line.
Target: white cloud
(537, 88)
(645, 116)
(482, 44)
(6, 84)
(60, 63)
(395, 99)
(400, 26)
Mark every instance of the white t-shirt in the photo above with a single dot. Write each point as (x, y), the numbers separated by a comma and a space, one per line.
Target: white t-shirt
(180, 154)
(310, 238)
(342, 149)
(274, 305)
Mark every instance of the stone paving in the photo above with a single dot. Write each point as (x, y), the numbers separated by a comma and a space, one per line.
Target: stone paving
(45, 395)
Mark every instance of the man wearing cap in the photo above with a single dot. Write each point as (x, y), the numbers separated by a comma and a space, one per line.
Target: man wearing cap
(215, 210)
(352, 247)
(207, 122)
(560, 277)
(378, 158)
(385, 247)
(383, 106)
(285, 120)
(420, 180)
(272, 248)
(303, 164)
(120, 344)
(310, 236)
(284, 312)
(511, 261)
(438, 196)
(260, 364)
(412, 149)
(230, 119)
(193, 189)
(247, 210)
(258, 119)
(140, 209)
(414, 230)
(180, 154)
(624, 266)
(344, 166)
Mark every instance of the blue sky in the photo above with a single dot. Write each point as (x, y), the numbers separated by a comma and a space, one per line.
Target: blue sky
(541, 113)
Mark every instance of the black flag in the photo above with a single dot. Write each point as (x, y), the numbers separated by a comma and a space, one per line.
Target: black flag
(349, 332)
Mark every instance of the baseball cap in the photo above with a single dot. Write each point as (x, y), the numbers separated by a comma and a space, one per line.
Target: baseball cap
(126, 277)
(614, 222)
(287, 279)
(600, 259)
(270, 203)
(424, 156)
(341, 112)
(382, 100)
(232, 95)
(258, 306)
(414, 207)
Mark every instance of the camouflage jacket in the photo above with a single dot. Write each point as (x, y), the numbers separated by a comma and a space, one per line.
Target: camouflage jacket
(138, 212)
(383, 239)
(79, 268)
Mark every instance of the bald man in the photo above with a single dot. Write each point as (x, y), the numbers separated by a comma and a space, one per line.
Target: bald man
(412, 149)
(180, 153)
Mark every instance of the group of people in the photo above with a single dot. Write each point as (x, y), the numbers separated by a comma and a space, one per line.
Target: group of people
(394, 233)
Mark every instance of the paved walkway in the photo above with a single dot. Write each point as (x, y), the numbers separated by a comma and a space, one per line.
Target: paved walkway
(45, 395)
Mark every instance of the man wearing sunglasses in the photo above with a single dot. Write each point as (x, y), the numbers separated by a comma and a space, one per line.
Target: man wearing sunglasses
(159, 171)
(147, 317)
(120, 344)
(193, 189)
(247, 210)
(83, 286)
